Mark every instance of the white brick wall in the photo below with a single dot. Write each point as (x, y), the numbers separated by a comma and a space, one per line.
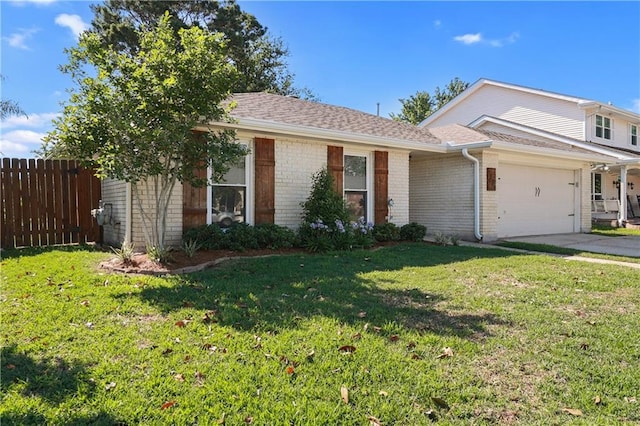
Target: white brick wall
(174, 215)
(441, 194)
(398, 188)
(488, 199)
(296, 162)
(114, 192)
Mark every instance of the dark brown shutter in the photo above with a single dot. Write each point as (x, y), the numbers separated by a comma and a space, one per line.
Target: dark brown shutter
(381, 183)
(335, 164)
(265, 169)
(194, 202)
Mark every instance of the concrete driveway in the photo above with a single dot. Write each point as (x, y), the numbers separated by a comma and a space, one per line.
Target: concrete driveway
(621, 246)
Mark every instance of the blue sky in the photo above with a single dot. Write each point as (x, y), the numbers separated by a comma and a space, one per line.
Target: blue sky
(358, 54)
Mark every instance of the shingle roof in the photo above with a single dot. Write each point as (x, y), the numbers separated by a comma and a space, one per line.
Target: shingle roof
(298, 112)
(457, 134)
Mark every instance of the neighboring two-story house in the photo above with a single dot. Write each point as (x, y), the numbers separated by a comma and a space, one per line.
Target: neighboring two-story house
(545, 116)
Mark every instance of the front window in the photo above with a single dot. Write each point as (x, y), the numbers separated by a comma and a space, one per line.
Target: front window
(603, 127)
(633, 133)
(596, 186)
(228, 197)
(355, 185)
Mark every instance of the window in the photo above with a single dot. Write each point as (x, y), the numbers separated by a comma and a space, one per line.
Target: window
(633, 134)
(355, 186)
(596, 186)
(603, 127)
(229, 199)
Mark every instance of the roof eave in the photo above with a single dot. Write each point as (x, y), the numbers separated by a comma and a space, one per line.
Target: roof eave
(550, 152)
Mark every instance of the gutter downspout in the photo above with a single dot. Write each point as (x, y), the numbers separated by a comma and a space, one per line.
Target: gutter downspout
(622, 214)
(476, 193)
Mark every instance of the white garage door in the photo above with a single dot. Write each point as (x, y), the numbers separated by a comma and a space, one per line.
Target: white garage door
(535, 201)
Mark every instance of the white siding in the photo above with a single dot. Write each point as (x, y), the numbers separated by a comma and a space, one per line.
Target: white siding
(542, 112)
(621, 136)
(441, 194)
(114, 193)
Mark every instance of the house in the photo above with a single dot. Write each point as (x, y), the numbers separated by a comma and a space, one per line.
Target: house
(546, 116)
(452, 178)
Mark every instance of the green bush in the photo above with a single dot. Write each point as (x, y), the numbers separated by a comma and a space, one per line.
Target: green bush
(274, 237)
(413, 231)
(209, 237)
(386, 232)
(240, 237)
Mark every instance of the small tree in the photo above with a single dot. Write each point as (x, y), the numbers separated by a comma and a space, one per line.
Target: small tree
(133, 117)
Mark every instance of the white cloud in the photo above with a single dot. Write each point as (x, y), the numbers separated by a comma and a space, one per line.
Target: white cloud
(496, 42)
(20, 143)
(19, 39)
(437, 23)
(73, 22)
(469, 38)
(33, 120)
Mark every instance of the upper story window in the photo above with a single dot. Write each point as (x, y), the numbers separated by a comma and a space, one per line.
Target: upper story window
(633, 134)
(355, 185)
(603, 127)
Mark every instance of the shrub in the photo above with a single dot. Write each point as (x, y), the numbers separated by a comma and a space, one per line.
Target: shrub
(273, 236)
(240, 237)
(207, 236)
(125, 252)
(159, 255)
(386, 232)
(441, 239)
(190, 247)
(362, 233)
(413, 231)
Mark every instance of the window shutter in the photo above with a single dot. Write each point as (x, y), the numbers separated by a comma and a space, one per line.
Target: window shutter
(381, 183)
(335, 164)
(265, 159)
(194, 203)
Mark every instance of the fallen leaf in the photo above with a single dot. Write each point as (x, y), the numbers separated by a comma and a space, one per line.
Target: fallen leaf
(440, 403)
(186, 304)
(89, 325)
(383, 393)
(415, 356)
(221, 419)
(181, 323)
(431, 415)
(362, 314)
(84, 303)
(584, 346)
(591, 322)
(411, 345)
(167, 351)
(179, 377)
(168, 404)
(446, 352)
(394, 338)
(356, 336)
(10, 367)
(344, 394)
(187, 358)
(376, 329)
(597, 400)
(290, 370)
(572, 411)
(630, 399)
(248, 420)
(347, 349)
(310, 355)
(110, 386)
(373, 421)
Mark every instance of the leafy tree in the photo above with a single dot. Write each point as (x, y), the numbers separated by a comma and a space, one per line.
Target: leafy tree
(422, 104)
(259, 58)
(9, 107)
(132, 116)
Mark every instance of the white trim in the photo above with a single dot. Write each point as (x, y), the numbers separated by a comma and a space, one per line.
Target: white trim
(631, 126)
(368, 155)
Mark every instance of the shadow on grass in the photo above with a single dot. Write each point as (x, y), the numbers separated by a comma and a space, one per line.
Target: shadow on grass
(272, 293)
(51, 379)
(34, 251)
(21, 419)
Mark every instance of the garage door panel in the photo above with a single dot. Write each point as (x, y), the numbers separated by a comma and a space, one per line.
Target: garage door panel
(534, 200)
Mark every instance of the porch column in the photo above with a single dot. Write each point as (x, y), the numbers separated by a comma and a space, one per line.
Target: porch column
(622, 214)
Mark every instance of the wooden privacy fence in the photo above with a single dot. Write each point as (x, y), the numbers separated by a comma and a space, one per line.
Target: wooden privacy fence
(47, 202)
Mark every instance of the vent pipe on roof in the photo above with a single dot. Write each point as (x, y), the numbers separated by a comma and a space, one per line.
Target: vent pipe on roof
(378, 113)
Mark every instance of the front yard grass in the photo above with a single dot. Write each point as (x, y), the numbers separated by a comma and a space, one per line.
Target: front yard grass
(345, 338)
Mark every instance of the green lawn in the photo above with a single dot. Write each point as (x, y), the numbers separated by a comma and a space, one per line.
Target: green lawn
(352, 338)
